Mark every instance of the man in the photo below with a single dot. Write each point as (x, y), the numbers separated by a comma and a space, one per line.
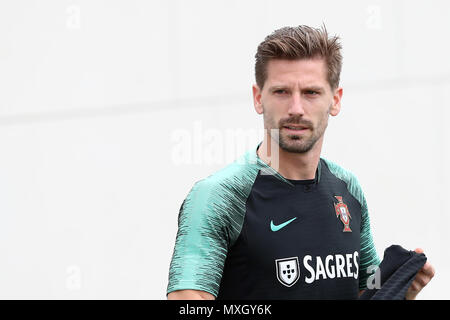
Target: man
(282, 222)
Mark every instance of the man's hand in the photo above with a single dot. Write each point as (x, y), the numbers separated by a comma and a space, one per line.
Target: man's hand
(421, 280)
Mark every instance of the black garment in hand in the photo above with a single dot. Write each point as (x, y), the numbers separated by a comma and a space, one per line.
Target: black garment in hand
(397, 271)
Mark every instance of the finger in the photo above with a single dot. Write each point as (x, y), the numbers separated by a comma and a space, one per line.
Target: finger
(422, 280)
(419, 250)
(415, 286)
(428, 270)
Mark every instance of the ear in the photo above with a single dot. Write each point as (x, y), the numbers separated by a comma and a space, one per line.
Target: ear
(257, 99)
(336, 107)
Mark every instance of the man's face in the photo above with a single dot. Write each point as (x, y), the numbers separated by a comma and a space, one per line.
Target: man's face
(296, 99)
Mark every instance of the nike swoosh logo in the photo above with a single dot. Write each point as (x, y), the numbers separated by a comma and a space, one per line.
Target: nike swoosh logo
(280, 226)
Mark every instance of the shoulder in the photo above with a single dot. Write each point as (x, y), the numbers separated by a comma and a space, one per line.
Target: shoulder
(340, 172)
(223, 194)
(236, 179)
(348, 177)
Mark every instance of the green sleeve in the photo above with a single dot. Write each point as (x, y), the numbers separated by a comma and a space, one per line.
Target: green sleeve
(209, 222)
(368, 253)
(201, 245)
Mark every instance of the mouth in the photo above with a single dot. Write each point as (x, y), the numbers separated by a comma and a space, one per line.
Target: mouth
(295, 128)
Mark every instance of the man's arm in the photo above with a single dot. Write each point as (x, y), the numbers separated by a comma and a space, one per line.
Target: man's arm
(201, 244)
(190, 295)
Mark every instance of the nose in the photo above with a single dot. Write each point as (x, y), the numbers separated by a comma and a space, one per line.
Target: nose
(296, 106)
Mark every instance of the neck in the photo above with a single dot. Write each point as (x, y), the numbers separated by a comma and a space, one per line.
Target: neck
(293, 166)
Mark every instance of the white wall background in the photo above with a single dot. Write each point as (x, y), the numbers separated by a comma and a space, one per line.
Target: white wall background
(93, 95)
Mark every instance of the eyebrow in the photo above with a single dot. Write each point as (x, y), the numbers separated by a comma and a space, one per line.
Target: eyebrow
(308, 88)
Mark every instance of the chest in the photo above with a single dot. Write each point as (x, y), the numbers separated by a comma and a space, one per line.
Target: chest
(301, 236)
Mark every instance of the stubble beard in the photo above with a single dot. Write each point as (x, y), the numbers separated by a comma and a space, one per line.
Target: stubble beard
(296, 143)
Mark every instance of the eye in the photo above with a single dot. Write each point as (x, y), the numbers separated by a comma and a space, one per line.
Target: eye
(280, 91)
(312, 92)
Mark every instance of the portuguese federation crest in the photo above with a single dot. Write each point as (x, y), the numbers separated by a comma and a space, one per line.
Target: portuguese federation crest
(342, 211)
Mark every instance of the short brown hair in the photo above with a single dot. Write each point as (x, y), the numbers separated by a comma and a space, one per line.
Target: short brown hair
(300, 42)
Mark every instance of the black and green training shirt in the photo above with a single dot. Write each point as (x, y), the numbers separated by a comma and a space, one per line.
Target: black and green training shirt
(246, 232)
